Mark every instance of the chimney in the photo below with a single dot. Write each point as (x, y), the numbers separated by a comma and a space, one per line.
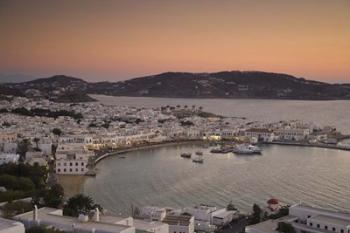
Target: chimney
(35, 213)
(97, 215)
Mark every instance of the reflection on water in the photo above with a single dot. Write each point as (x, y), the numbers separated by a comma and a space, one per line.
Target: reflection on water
(161, 177)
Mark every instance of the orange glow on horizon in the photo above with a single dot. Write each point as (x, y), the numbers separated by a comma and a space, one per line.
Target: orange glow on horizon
(116, 40)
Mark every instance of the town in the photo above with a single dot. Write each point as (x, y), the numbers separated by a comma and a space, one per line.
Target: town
(42, 140)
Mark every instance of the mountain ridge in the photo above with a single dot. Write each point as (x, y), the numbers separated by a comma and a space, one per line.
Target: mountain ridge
(224, 84)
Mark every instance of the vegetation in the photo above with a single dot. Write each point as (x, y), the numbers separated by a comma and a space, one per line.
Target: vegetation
(14, 208)
(231, 206)
(42, 112)
(21, 180)
(57, 132)
(285, 227)
(284, 211)
(79, 204)
(256, 216)
(16, 183)
(22, 149)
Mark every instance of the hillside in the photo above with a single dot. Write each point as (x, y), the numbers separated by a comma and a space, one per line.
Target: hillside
(233, 84)
(228, 84)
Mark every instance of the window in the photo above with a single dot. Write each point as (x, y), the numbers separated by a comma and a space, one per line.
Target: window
(70, 170)
(76, 169)
(341, 230)
(333, 228)
(76, 164)
(58, 164)
(318, 225)
(59, 170)
(308, 216)
(82, 169)
(65, 164)
(70, 164)
(310, 224)
(64, 170)
(326, 227)
(82, 163)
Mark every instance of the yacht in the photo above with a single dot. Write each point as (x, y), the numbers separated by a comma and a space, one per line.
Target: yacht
(198, 159)
(246, 149)
(186, 155)
(200, 153)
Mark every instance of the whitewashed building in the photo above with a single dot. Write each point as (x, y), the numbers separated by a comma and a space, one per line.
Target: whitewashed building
(180, 223)
(8, 158)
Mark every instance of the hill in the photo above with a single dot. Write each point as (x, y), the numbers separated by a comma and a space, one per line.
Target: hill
(227, 84)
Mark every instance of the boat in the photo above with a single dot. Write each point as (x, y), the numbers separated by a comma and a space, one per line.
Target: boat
(200, 153)
(186, 155)
(198, 159)
(255, 149)
(246, 149)
(122, 156)
(222, 150)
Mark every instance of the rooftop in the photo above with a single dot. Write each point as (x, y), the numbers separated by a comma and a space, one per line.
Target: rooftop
(183, 220)
(331, 220)
(6, 224)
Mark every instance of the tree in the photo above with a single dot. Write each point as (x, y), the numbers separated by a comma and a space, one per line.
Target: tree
(53, 197)
(256, 214)
(22, 149)
(36, 140)
(11, 209)
(231, 206)
(79, 204)
(285, 227)
(57, 132)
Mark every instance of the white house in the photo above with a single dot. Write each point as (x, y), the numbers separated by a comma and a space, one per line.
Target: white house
(180, 223)
(260, 134)
(307, 219)
(71, 164)
(54, 218)
(222, 217)
(8, 158)
(151, 213)
(292, 134)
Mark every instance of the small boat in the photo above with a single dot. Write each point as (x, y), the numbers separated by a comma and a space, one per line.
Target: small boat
(198, 159)
(200, 153)
(186, 155)
(222, 150)
(122, 156)
(216, 150)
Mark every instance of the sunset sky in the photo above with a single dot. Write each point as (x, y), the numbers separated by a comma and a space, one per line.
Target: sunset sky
(117, 40)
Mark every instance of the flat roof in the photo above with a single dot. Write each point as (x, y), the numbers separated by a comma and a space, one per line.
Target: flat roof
(222, 213)
(341, 214)
(144, 225)
(7, 224)
(331, 220)
(51, 216)
(183, 220)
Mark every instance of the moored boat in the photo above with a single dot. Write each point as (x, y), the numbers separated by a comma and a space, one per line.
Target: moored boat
(198, 159)
(245, 149)
(200, 153)
(186, 155)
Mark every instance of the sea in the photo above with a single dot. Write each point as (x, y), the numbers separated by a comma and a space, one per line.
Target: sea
(160, 177)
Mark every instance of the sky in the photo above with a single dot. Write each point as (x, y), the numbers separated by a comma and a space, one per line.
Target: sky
(122, 39)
